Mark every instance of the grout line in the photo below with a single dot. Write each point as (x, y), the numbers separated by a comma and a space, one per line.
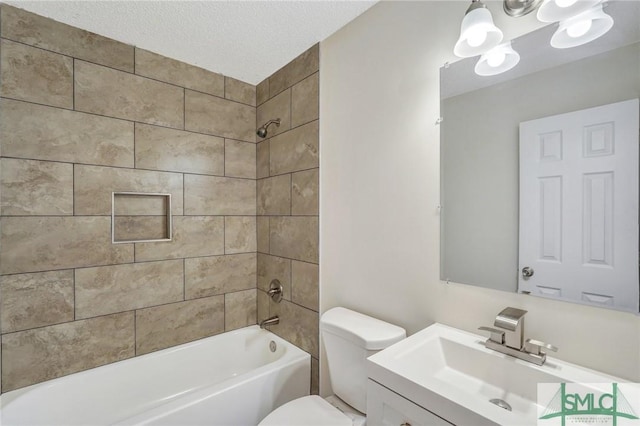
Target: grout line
(132, 168)
(131, 263)
(133, 73)
(120, 118)
(73, 85)
(184, 279)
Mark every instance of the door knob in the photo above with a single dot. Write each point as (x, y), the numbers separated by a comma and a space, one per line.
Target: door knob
(527, 272)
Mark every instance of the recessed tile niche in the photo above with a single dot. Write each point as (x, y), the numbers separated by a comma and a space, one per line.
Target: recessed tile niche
(140, 217)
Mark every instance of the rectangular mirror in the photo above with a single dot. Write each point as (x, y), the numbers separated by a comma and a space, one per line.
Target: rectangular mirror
(573, 229)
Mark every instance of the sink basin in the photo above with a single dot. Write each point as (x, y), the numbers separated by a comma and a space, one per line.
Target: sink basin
(451, 373)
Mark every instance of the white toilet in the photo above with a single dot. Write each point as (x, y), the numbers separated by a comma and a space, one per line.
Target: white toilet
(349, 338)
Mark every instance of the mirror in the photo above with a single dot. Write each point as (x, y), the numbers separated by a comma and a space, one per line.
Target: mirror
(480, 162)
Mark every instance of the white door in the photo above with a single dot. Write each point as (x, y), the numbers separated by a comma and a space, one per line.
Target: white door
(579, 206)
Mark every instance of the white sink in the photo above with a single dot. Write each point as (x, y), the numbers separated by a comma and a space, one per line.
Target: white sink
(451, 373)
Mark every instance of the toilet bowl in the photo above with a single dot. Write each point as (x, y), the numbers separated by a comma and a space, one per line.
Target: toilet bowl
(349, 338)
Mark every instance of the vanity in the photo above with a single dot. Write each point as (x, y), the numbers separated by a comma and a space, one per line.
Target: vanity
(442, 375)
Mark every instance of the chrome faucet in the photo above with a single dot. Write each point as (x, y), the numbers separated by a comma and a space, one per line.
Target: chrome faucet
(508, 335)
(270, 321)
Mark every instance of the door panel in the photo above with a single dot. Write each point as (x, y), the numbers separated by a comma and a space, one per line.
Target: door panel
(579, 206)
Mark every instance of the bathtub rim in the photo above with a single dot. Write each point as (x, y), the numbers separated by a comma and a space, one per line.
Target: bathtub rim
(292, 355)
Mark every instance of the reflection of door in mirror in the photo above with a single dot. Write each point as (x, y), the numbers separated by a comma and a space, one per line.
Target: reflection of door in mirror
(579, 206)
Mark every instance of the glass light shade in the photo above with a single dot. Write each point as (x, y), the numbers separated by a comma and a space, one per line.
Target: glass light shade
(560, 10)
(582, 29)
(497, 60)
(478, 34)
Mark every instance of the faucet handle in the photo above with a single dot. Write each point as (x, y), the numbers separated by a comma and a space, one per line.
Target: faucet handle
(534, 346)
(496, 335)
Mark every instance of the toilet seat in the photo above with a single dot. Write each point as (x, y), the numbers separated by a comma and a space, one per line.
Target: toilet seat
(307, 411)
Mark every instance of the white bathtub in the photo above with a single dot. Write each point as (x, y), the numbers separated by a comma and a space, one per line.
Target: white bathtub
(228, 379)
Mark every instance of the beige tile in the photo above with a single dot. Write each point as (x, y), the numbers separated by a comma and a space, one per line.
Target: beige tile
(263, 305)
(169, 325)
(262, 160)
(209, 195)
(304, 284)
(46, 133)
(262, 225)
(149, 64)
(302, 66)
(35, 75)
(33, 356)
(138, 228)
(240, 309)
(262, 92)
(304, 192)
(277, 107)
(272, 267)
(295, 237)
(29, 28)
(35, 300)
(192, 236)
(210, 276)
(31, 244)
(297, 325)
(113, 93)
(274, 195)
(240, 234)
(118, 288)
(94, 185)
(240, 159)
(29, 187)
(315, 376)
(219, 117)
(295, 150)
(305, 101)
(240, 91)
(159, 148)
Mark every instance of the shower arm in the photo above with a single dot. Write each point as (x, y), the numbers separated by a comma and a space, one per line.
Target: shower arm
(270, 122)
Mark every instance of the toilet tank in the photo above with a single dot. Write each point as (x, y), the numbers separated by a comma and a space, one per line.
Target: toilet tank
(349, 338)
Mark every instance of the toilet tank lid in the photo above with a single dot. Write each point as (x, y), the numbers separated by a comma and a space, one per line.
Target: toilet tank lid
(363, 330)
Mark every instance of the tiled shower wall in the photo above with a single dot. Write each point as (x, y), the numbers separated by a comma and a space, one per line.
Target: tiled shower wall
(287, 205)
(82, 116)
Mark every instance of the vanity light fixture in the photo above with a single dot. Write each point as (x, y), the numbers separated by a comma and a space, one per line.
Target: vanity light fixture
(582, 28)
(478, 33)
(517, 8)
(560, 10)
(497, 60)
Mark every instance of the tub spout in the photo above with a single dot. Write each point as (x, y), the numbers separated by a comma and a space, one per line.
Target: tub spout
(270, 321)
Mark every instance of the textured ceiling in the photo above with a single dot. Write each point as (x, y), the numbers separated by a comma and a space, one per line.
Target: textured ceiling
(247, 40)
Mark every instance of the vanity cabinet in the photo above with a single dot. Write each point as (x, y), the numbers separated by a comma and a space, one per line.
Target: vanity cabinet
(387, 408)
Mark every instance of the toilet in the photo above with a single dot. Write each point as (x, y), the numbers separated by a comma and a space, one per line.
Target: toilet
(349, 338)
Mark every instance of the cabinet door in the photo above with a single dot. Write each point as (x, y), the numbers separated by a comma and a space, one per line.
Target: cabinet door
(387, 408)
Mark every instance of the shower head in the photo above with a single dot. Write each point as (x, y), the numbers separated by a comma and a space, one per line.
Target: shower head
(262, 131)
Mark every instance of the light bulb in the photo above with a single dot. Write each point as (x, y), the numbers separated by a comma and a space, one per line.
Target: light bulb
(565, 3)
(579, 29)
(476, 36)
(495, 59)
